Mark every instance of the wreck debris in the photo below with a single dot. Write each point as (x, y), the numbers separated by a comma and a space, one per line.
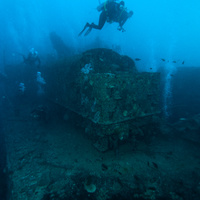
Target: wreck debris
(106, 89)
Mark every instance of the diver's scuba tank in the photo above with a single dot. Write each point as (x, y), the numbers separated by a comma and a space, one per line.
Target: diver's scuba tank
(101, 6)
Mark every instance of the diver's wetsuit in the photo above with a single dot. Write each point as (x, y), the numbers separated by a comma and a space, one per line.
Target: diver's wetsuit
(108, 14)
(102, 21)
(111, 12)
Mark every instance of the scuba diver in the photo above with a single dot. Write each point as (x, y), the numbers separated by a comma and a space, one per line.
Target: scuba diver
(111, 11)
(32, 58)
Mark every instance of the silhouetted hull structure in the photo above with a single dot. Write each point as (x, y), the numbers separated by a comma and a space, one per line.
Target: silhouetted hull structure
(106, 89)
(185, 90)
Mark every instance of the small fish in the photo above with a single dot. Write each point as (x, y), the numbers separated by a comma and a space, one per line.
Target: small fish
(152, 188)
(163, 59)
(137, 59)
(150, 68)
(155, 165)
(183, 62)
(174, 61)
(104, 167)
(136, 178)
(171, 74)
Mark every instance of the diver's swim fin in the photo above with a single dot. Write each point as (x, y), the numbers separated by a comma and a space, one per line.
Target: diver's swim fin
(88, 31)
(87, 25)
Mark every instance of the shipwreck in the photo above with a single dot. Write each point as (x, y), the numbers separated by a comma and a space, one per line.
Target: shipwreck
(114, 100)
